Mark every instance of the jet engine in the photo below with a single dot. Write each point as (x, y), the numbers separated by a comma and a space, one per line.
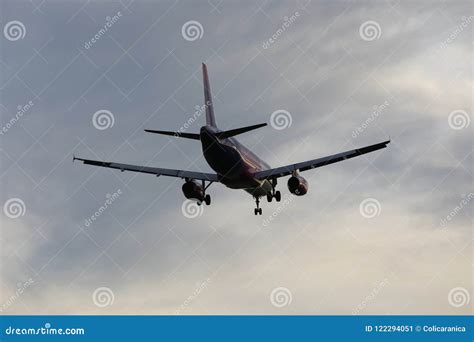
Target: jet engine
(193, 190)
(297, 185)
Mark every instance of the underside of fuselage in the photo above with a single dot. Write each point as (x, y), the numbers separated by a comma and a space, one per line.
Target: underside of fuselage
(234, 163)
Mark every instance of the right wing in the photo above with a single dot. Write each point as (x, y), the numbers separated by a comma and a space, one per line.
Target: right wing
(314, 163)
(211, 177)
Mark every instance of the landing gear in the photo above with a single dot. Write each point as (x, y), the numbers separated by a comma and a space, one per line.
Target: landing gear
(257, 210)
(274, 194)
(207, 198)
(278, 196)
(194, 191)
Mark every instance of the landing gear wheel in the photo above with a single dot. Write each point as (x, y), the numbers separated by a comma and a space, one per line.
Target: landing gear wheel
(257, 210)
(207, 199)
(199, 203)
(269, 197)
(278, 196)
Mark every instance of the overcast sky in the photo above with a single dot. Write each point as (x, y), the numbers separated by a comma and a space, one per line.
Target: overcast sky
(389, 232)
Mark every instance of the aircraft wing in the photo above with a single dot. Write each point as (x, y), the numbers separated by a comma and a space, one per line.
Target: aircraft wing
(314, 163)
(211, 177)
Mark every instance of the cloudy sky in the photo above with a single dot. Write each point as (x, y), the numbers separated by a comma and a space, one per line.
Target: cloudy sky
(389, 232)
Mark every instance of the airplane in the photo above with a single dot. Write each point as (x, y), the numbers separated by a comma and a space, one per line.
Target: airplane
(235, 165)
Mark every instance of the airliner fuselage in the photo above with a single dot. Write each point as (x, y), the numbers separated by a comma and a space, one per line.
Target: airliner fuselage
(234, 163)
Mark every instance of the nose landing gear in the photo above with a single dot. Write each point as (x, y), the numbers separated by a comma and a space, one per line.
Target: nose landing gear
(257, 210)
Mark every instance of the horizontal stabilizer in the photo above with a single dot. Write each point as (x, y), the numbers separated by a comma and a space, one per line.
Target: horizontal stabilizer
(194, 136)
(237, 131)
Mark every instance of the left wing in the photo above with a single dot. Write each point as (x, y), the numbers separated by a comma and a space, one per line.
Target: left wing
(211, 177)
(312, 164)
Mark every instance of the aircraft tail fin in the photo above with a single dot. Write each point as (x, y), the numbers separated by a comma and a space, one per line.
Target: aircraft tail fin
(237, 131)
(210, 119)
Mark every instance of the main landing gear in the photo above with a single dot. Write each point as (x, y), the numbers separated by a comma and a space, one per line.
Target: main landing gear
(257, 210)
(206, 198)
(274, 194)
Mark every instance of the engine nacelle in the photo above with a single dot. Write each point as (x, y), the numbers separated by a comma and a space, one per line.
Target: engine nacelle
(193, 190)
(297, 185)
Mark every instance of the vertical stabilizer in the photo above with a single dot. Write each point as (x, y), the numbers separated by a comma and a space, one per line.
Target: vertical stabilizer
(210, 119)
